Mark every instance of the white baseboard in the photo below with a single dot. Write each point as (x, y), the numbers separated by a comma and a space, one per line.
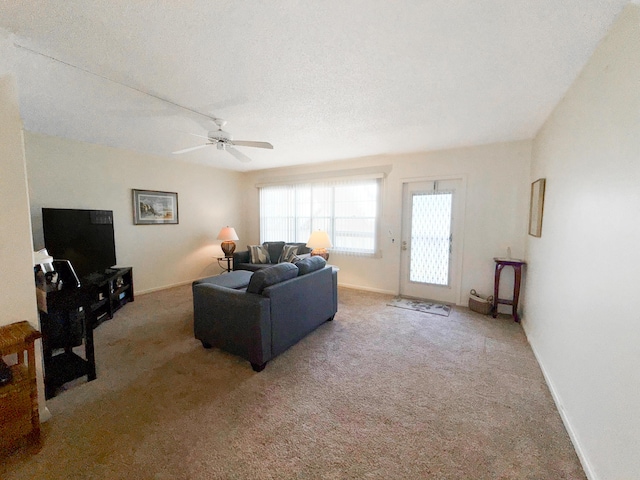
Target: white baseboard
(45, 414)
(367, 289)
(157, 289)
(345, 285)
(586, 465)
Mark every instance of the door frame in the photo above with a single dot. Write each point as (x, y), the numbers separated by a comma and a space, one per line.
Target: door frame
(462, 198)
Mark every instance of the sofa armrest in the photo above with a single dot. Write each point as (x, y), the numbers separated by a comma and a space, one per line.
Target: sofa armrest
(300, 305)
(241, 257)
(233, 320)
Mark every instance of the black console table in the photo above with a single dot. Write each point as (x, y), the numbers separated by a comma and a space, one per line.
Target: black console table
(65, 326)
(71, 316)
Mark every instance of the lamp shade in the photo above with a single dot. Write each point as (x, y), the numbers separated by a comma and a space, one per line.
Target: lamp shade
(319, 239)
(228, 233)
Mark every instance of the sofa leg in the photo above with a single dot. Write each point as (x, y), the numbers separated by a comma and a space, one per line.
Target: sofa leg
(330, 318)
(206, 344)
(258, 367)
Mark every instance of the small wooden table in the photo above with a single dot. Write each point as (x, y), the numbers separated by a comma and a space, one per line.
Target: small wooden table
(19, 416)
(517, 268)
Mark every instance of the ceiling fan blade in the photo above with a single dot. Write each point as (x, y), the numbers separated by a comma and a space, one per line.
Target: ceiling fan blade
(198, 135)
(239, 155)
(191, 149)
(247, 143)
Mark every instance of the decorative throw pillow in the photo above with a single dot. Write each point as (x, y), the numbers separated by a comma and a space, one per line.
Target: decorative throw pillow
(310, 264)
(259, 254)
(268, 276)
(288, 253)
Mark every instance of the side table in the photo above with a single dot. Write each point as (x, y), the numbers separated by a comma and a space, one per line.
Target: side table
(19, 417)
(517, 269)
(228, 266)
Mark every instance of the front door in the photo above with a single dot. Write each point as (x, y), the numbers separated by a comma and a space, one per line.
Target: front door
(431, 240)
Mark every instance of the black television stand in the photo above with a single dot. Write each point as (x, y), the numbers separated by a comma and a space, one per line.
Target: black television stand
(99, 296)
(112, 289)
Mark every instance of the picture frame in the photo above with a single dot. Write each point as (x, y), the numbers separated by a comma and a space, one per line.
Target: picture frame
(536, 207)
(151, 207)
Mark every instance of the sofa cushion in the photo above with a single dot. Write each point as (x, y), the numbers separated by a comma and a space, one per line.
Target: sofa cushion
(310, 264)
(275, 249)
(251, 267)
(270, 276)
(237, 280)
(259, 254)
(288, 253)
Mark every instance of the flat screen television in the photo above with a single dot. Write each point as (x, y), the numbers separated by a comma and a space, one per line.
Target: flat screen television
(84, 237)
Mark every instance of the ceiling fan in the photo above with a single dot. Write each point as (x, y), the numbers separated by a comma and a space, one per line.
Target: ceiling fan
(224, 141)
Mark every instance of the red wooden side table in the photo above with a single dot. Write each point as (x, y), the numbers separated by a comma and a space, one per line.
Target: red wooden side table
(517, 269)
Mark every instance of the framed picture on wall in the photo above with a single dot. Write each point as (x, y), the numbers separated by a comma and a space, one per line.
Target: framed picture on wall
(536, 207)
(152, 208)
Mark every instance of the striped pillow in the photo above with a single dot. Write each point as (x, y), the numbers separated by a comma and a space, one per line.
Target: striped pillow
(288, 253)
(259, 254)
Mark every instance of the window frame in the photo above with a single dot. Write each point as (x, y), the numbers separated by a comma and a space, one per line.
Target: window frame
(333, 182)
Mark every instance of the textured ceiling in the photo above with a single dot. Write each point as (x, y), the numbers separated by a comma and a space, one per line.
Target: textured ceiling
(320, 80)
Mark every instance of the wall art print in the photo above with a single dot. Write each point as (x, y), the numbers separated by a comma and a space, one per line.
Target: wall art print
(154, 208)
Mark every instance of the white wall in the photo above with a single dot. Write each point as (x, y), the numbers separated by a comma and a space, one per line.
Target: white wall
(581, 315)
(496, 210)
(17, 295)
(68, 174)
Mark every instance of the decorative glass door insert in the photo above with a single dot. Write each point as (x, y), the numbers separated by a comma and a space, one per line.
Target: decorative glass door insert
(431, 237)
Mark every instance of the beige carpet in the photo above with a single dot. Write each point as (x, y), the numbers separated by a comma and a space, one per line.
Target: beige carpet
(380, 393)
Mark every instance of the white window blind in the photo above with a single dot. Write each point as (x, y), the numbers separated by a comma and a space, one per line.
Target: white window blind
(346, 209)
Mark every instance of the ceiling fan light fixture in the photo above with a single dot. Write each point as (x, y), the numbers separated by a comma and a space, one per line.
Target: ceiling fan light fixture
(219, 135)
(220, 145)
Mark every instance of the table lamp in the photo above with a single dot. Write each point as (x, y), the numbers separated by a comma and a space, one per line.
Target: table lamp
(319, 241)
(228, 235)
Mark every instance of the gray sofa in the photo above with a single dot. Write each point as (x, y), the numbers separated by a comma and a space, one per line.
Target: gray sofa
(258, 315)
(242, 260)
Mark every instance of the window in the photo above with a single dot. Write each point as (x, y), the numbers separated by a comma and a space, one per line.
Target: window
(346, 209)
